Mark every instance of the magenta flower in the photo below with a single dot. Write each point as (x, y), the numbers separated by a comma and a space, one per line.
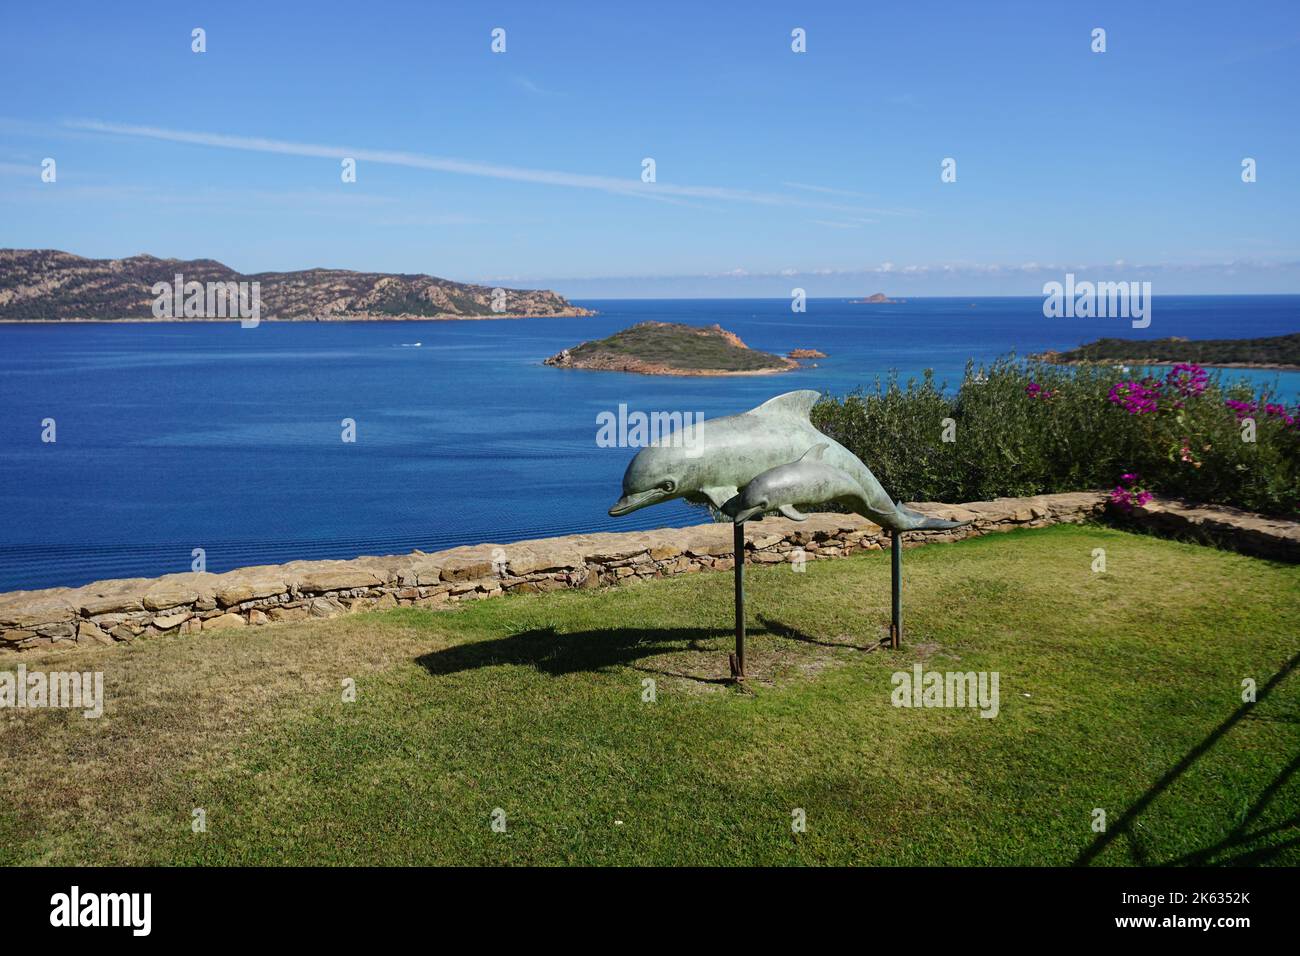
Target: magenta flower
(1276, 410)
(1188, 379)
(1136, 398)
(1133, 496)
(1241, 409)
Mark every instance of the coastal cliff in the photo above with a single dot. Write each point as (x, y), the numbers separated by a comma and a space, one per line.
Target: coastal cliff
(46, 285)
(1274, 352)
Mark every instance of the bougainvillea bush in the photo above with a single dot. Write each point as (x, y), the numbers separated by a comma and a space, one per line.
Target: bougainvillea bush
(1022, 428)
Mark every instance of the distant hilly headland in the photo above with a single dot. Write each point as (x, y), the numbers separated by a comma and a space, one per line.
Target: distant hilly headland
(46, 285)
(1274, 352)
(671, 348)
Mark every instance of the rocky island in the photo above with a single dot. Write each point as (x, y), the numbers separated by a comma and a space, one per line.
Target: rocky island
(1274, 352)
(45, 285)
(878, 299)
(668, 348)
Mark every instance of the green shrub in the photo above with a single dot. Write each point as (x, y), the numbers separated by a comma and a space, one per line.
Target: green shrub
(1027, 428)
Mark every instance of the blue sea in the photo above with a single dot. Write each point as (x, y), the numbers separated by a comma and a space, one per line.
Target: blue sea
(172, 437)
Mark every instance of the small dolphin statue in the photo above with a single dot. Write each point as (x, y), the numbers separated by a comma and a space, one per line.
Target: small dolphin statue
(808, 481)
(713, 459)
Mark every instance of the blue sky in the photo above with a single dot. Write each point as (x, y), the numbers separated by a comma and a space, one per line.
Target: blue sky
(774, 169)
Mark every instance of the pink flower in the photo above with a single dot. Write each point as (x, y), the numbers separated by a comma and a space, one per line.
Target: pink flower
(1126, 499)
(1275, 410)
(1136, 398)
(1188, 379)
(1241, 409)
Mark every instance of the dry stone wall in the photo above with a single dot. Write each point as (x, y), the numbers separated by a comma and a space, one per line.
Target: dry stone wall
(110, 612)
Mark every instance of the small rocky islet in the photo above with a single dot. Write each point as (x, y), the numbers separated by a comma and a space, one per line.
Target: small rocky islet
(669, 348)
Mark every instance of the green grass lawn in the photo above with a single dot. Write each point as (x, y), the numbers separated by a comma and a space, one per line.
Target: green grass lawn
(1120, 690)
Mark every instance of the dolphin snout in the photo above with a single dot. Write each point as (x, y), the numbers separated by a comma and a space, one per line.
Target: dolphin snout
(745, 514)
(638, 499)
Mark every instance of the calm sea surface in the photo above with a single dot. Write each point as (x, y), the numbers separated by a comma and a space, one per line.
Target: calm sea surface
(173, 437)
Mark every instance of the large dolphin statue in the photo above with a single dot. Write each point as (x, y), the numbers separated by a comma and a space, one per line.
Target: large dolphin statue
(711, 460)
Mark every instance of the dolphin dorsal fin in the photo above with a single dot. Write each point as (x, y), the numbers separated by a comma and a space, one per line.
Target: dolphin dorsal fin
(798, 404)
(815, 452)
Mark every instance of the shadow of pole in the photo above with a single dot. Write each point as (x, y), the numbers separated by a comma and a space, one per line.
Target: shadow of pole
(1238, 837)
(1124, 824)
(781, 629)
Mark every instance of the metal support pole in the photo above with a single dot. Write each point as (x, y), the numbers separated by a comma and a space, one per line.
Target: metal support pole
(738, 658)
(896, 615)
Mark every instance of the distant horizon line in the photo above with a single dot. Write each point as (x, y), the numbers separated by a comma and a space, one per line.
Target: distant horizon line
(557, 284)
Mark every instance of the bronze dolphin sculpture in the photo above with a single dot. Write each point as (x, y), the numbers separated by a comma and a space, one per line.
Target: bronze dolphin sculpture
(713, 459)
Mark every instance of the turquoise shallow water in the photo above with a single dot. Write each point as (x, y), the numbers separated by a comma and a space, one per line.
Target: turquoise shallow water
(173, 437)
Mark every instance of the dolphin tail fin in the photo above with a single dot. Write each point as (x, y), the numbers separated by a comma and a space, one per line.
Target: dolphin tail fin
(915, 521)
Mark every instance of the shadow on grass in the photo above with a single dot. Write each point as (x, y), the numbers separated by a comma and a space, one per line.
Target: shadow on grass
(1238, 838)
(781, 629)
(556, 653)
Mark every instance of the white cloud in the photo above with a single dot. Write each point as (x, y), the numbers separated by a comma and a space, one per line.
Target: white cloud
(832, 191)
(961, 269)
(630, 186)
(838, 224)
(528, 86)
